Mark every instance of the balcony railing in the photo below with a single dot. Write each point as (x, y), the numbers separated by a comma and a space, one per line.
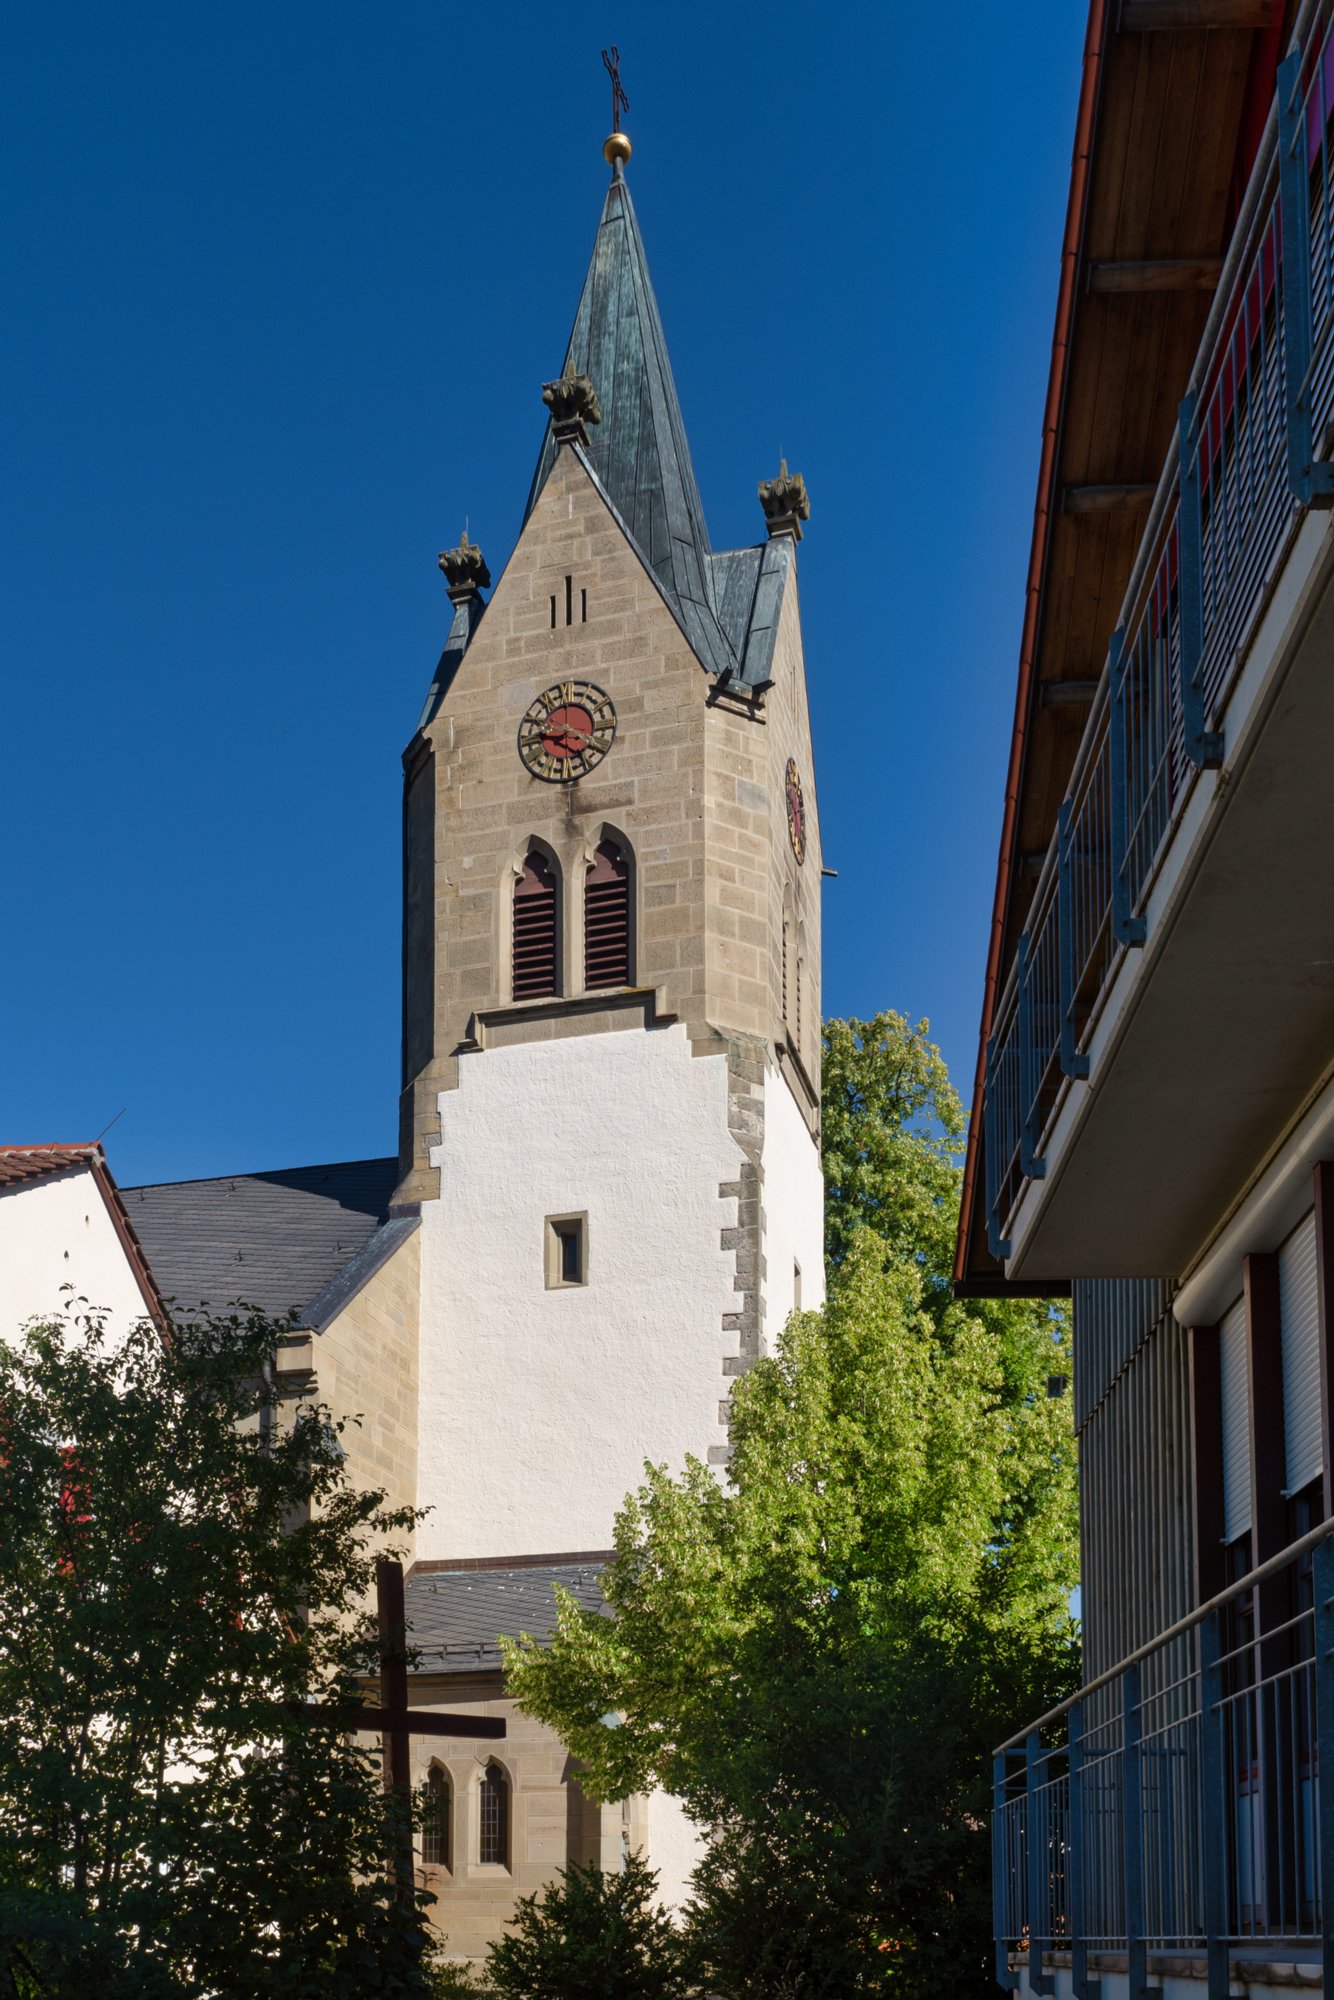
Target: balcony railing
(1181, 1804)
(1241, 477)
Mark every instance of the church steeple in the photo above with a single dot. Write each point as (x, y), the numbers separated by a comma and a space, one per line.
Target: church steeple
(639, 450)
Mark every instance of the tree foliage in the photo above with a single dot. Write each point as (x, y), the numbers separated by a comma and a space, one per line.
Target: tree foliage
(817, 1656)
(589, 1936)
(183, 1567)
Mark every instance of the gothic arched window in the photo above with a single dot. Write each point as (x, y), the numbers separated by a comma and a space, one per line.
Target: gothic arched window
(493, 1844)
(607, 917)
(536, 929)
(436, 1817)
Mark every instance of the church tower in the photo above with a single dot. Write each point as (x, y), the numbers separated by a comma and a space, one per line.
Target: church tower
(611, 1021)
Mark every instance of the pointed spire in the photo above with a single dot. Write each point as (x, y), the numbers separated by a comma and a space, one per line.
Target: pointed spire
(639, 452)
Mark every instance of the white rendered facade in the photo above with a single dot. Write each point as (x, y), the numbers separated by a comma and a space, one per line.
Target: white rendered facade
(60, 1247)
(539, 1404)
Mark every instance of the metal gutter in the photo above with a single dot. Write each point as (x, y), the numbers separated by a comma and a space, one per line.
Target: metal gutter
(1076, 211)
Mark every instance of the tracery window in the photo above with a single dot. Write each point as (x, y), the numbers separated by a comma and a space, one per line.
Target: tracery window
(494, 1817)
(607, 917)
(436, 1818)
(536, 937)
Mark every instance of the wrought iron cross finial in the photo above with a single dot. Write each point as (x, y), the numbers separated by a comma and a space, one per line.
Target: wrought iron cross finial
(619, 101)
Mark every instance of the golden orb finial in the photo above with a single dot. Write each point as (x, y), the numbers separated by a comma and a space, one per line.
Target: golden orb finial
(617, 147)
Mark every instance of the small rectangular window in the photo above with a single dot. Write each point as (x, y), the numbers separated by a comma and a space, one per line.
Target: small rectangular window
(566, 1251)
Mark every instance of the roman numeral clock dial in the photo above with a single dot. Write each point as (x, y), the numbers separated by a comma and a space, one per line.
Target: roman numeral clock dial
(567, 732)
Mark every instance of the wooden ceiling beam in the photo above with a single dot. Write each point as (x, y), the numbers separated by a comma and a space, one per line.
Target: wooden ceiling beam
(1066, 694)
(1158, 274)
(1147, 17)
(1108, 499)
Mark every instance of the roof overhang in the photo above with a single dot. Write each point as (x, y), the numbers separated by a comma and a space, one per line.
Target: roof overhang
(1172, 103)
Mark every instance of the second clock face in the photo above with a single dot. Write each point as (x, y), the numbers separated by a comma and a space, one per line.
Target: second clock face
(567, 732)
(796, 810)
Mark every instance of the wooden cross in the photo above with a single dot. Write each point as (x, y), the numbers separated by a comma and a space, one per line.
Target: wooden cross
(619, 101)
(398, 1723)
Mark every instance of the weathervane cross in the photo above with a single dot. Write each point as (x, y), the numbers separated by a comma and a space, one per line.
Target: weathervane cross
(619, 101)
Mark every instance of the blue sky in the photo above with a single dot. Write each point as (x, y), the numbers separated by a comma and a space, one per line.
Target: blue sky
(284, 282)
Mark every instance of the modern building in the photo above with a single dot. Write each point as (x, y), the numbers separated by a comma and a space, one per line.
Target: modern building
(608, 1195)
(1155, 1128)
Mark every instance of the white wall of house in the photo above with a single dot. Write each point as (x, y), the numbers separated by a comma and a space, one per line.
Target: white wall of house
(58, 1232)
(539, 1406)
(793, 1209)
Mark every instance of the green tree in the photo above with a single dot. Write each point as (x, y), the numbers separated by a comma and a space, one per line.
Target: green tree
(817, 1656)
(183, 1567)
(589, 1936)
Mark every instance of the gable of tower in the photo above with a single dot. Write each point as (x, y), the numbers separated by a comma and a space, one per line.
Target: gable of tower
(576, 602)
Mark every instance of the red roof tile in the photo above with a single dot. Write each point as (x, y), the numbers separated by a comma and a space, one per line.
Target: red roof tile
(34, 1163)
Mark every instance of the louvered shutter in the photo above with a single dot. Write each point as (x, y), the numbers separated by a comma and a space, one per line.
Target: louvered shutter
(535, 954)
(1236, 1399)
(607, 918)
(1299, 1314)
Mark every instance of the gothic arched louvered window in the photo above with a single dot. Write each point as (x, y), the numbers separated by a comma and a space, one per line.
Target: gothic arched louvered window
(536, 929)
(607, 918)
(436, 1819)
(494, 1823)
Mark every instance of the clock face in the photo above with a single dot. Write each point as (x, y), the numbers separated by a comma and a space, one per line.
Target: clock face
(796, 811)
(567, 732)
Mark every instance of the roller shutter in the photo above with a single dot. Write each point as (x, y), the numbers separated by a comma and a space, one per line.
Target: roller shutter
(1236, 1423)
(1299, 1313)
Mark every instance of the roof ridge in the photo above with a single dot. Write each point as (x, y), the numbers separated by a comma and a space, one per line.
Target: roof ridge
(263, 1173)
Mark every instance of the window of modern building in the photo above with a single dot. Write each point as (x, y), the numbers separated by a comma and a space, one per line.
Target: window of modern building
(536, 929)
(566, 1251)
(607, 918)
(436, 1818)
(494, 1818)
(1236, 1399)
(1299, 1321)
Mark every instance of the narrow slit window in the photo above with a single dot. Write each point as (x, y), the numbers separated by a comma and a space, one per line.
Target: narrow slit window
(796, 1286)
(536, 930)
(436, 1817)
(566, 1251)
(494, 1818)
(607, 918)
(583, 607)
(569, 600)
(553, 614)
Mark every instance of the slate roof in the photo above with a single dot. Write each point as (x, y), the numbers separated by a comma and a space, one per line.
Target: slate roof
(275, 1240)
(726, 604)
(467, 617)
(455, 1615)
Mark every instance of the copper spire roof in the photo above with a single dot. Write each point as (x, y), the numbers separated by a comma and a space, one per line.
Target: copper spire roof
(639, 450)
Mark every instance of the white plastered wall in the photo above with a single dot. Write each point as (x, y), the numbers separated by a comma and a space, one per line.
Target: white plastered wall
(675, 1848)
(539, 1407)
(793, 1209)
(54, 1233)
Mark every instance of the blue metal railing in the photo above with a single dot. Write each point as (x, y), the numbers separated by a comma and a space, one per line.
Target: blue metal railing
(1252, 453)
(1180, 1802)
